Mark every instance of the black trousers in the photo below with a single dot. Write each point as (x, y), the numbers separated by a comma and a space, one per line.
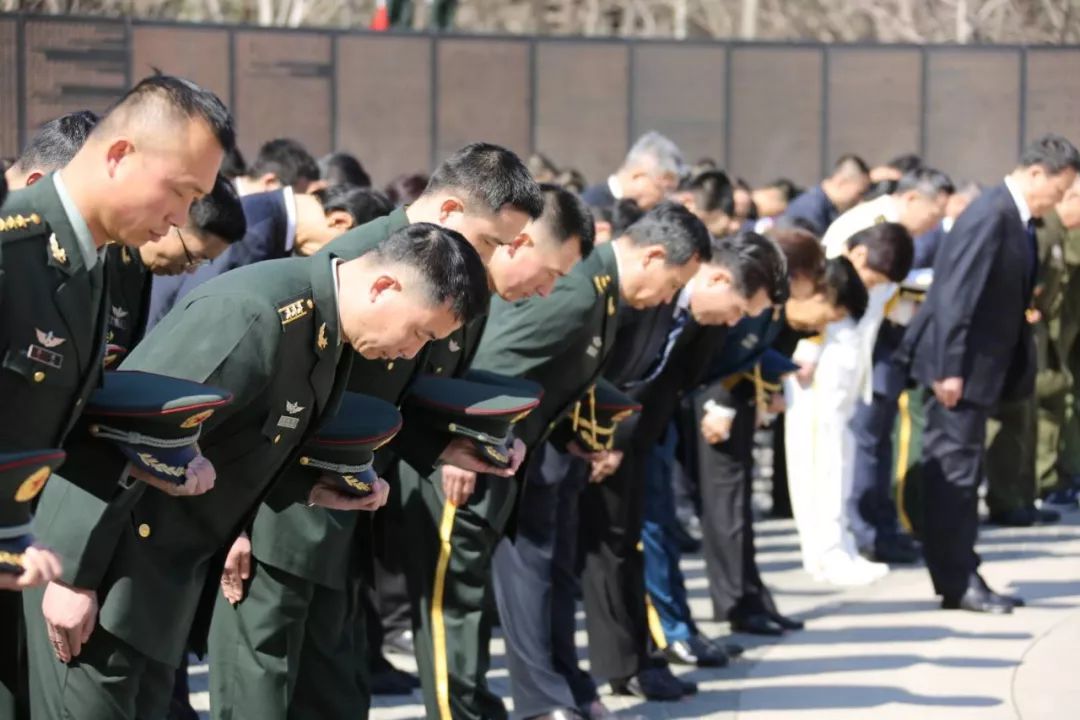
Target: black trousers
(727, 522)
(953, 451)
(14, 695)
(534, 589)
(613, 580)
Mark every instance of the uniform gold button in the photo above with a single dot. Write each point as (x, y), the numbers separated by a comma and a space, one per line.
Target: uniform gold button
(304, 460)
(39, 376)
(390, 365)
(277, 439)
(310, 304)
(144, 531)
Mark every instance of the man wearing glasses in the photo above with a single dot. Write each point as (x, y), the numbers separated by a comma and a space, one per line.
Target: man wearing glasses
(215, 221)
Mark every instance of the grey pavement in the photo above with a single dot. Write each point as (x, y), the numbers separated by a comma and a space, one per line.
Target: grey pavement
(884, 651)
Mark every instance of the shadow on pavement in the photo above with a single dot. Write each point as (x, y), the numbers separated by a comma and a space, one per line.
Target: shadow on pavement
(823, 697)
(769, 668)
(916, 633)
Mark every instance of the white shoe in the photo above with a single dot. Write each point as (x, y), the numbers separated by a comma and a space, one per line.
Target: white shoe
(844, 571)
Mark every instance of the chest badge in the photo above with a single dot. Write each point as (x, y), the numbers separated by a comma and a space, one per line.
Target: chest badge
(321, 341)
(288, 421)
(118, 317)
(454, 347)
(292, 311)
(594, 348)
(48, 339)
(59, 254)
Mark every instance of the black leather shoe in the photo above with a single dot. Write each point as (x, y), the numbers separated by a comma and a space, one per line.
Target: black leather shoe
(695, 650)
(756, 624)
(400, 642)
(560, 714)
(893, 553)
(787, 623)
(391, 681)
(654, 683)
(979, 598)
(1024, 517)
(732, 650)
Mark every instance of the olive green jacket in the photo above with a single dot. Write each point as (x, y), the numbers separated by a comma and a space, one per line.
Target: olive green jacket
(269, 334)
(562, 342)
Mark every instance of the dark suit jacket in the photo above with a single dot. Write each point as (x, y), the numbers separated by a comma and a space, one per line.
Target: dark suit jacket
(267, 227)
(598, 196)
(972, 323)
(815, 207)
(926, 247)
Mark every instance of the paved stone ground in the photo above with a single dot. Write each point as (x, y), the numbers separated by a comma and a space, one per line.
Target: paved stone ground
(884, 651)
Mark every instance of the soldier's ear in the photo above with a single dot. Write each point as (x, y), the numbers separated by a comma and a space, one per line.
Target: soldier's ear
(522, 240)
(449, 206)
(33, 178)
(117, 151)
(383, 285)
(653, 253)
(339, 220)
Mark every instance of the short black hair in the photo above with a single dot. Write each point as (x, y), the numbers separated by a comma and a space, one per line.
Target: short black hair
(184, 97)
(1053, 152)
(787, 188)
(287, 160)
(905, 162)
(926, 181)
(568, 217)
(876, 189)
(889, 249)
(677, 229)
(362, 203)
(802, 250)
(233, 165)
(405, 189)
(57, 142)
(712, 191)
(492, 175)
(849, 161)
(341, 168)
(755, 263)
(623, 214)
(220, 213)
(452, 268)
(844, 288)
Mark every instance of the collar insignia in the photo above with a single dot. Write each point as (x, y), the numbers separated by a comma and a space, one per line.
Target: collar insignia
(59, 254)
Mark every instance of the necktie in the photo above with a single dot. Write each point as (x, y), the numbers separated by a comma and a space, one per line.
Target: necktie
(1033, 252)
(677, 324)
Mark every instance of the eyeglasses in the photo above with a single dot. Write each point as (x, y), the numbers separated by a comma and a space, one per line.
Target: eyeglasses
(192, 262)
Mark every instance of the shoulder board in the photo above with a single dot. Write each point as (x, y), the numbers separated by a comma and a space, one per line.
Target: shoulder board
(294, 309)
(601, 282)
(18, 226)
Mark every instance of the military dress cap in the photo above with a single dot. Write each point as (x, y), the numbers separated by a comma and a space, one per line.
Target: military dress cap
(774, 366)
(113, 355)
(155, 420)
(598, 414)
(22, 475)
(343, 450)
(483, 412)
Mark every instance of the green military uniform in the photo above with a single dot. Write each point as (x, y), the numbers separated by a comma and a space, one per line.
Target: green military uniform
(1069, 459)
(52, 325)
(268, 334)
(1058, 303)
(1022, 440)
(562, 343)
(129, 295)
(299, 597)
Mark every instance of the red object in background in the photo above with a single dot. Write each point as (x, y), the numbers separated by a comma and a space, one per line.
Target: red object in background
(380, 21)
